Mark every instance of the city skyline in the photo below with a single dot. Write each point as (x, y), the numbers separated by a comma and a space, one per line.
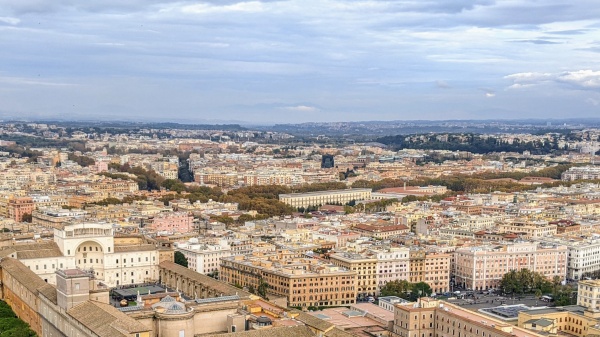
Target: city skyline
(291, 61)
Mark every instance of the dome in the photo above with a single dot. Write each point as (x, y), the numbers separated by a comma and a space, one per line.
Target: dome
(263, 320)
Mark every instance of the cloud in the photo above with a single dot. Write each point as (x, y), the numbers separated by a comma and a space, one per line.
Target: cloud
(488, 92)
(580, 79)
(204, 8)
(537, 41)
(583, 79)
(523, 80)
(302, 108)
(9, 20)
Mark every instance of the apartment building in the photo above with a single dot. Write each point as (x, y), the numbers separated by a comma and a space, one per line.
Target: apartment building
(392, 264)
(588, 294)
(172, 222)
(583, 258)
(325, 197)
(432, 268)
(529, 230)
(482, 267)
(581, 173)
(303, 282)
(365, 267)
(204, 258)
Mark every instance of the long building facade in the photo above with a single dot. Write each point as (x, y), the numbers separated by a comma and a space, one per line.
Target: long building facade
(325, 197)
(482, 267)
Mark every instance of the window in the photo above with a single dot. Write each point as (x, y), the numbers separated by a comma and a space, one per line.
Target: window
(76, 286)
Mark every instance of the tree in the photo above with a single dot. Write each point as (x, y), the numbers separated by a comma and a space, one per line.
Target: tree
(180, 259)
(538, 295)
(26, 217)
(262, 289)
(420, 289)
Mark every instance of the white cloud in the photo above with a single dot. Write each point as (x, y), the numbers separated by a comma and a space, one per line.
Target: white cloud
(582, 79)
(302, 108)
(9, 20)
(586, 79)
(204, 8)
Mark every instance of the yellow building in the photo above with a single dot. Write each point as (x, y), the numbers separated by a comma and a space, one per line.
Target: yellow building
(365, 268)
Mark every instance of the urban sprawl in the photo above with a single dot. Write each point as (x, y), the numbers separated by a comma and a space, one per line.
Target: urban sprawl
(180, 232)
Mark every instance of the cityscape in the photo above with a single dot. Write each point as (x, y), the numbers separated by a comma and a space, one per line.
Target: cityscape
(287, 168)
(225, 230)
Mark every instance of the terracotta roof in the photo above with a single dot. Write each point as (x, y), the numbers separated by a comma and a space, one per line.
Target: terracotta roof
(312, 321)
(105, 320)
(292, 331)
(337, 332)
(22, 274)
(219, 286)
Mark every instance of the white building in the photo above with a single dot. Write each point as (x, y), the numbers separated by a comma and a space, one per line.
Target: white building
(392, 264)
(204, 258)
(89, 246)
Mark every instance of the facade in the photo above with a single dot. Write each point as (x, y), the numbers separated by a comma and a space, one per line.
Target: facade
(172, 222)
(303, 282)
(90, 247)
(325, 197)
(581, 173)
(365, 268)
(392, 264)
(204, 258)
(482, 267)
(529, 230)
(383, 232)
(432, 318)
(431, 268)
(56, 217)
(588, 294)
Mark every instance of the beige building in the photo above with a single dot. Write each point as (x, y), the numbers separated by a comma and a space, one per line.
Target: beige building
(325, 197)
(588, 294)
(529, 230)
(365, 268)
(482, 267)
(430, 267)
(432, 318)
(303, 282)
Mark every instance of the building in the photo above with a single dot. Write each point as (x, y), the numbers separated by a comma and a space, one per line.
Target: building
(325, 197)
(588, 294)
(433, 318)
(431, 268)
(91, 247)
(365, 267)
(381, 231)
(581, 173)
(583, 258)
(172, 222)
(303, 282)
(56, 217)
(527, 230)
(204, 258)
(65, 310)
(327, 161)
(392, 264)
(482, 267)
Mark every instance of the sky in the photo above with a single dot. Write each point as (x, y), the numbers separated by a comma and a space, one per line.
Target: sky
(294, 61)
